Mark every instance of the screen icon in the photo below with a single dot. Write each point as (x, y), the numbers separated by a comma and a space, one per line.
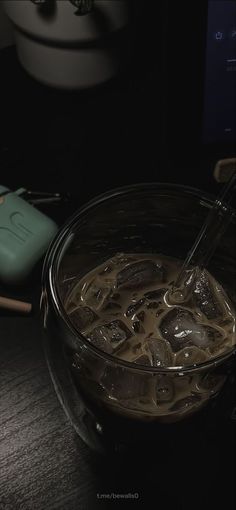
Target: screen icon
(219, 35)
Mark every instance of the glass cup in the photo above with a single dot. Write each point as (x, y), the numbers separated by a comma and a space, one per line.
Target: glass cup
(112, 403)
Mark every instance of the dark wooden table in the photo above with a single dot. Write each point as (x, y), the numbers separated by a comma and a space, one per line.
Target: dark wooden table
(85, 145)
(45, 465)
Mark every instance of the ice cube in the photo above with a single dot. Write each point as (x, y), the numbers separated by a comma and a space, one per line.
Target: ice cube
(96, 293)
(122, 384)
(180, 329)
(206, 298)
(110, 336)
(140, 274)
(134, 307)
(213, 340)
(138, 327)
(137, 318)
(155, 295)
(159, 352)
(154, 301)
(164, 389)
(82, 317)
(190, 356)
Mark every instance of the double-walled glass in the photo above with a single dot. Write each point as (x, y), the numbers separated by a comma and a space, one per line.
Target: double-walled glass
(110, 402)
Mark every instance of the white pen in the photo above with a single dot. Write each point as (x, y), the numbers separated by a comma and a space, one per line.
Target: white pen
(13, 304)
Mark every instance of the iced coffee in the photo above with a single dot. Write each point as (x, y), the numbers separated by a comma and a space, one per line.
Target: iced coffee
(159, 350)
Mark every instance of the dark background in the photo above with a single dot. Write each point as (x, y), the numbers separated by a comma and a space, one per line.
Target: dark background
(145, 125)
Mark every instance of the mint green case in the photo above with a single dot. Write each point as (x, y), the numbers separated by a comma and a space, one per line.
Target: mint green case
(25, 234)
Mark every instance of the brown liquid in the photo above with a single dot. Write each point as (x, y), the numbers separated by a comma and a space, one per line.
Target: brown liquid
(122, 307)
(143, 307)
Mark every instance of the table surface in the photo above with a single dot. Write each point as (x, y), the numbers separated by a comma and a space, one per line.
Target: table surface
(43, 463)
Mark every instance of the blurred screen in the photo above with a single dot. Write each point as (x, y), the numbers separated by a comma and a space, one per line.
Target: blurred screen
(219, 123)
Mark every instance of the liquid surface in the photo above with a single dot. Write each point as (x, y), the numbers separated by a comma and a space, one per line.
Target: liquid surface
(122, 307)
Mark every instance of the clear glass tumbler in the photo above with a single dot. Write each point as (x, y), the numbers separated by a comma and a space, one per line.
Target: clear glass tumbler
(112, 403)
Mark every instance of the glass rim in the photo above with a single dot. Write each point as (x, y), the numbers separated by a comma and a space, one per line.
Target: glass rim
(51, 266)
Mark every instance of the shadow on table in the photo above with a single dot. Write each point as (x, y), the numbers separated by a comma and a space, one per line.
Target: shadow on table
(189, 464)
